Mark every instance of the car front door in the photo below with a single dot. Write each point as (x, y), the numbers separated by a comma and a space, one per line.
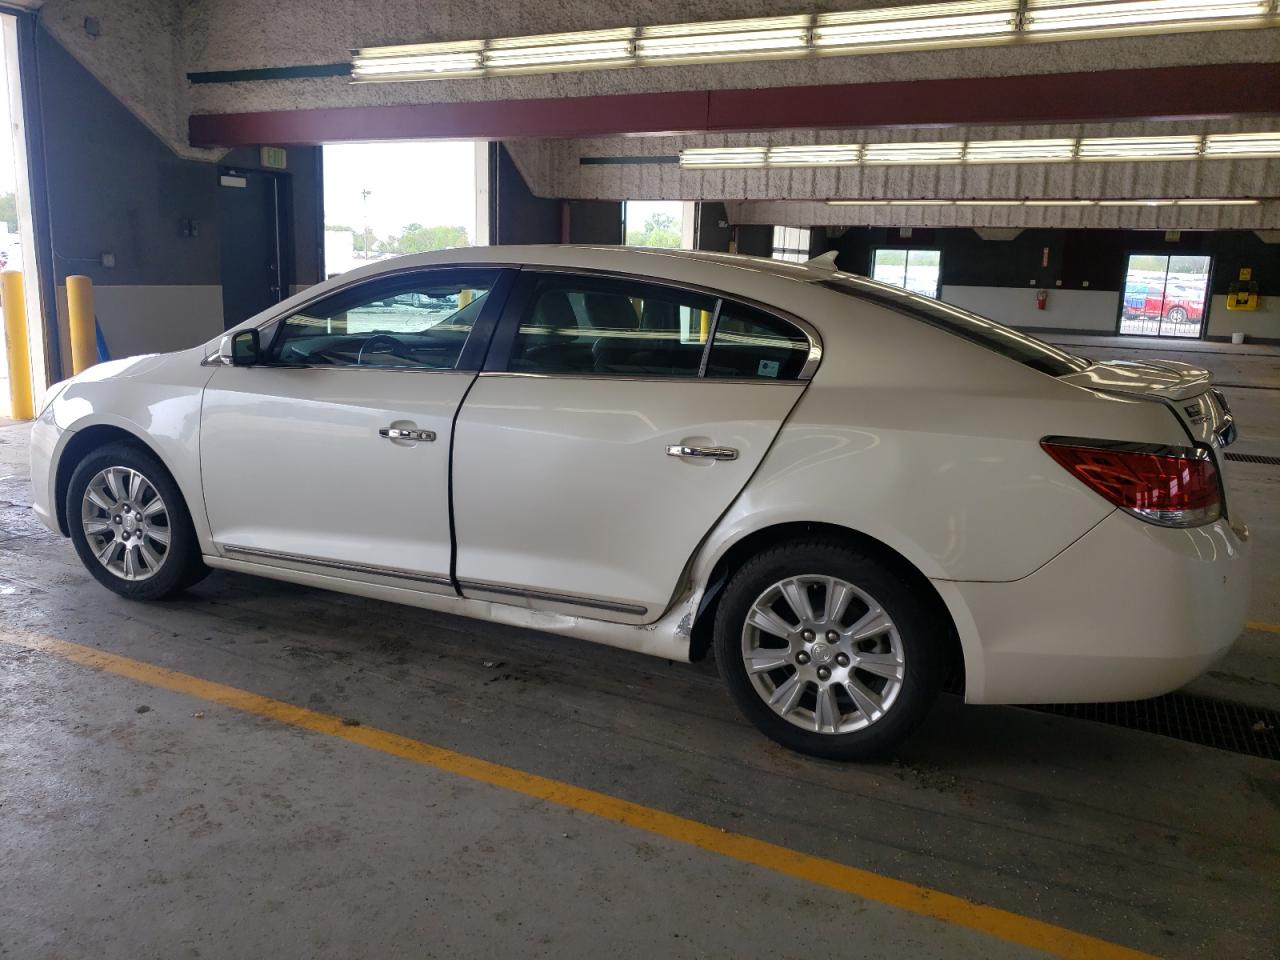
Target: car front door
(332, 453)
(619, 421)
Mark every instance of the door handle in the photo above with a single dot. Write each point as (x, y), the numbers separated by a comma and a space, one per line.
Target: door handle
(702, 453)
(398, 433)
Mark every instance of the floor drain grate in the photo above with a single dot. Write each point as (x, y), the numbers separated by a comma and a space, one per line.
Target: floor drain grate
(1212, 723)
(1253, 458)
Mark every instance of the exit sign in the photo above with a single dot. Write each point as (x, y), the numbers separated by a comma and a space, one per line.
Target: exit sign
(274, 158)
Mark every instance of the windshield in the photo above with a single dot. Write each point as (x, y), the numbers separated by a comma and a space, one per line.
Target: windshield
(1003, 340)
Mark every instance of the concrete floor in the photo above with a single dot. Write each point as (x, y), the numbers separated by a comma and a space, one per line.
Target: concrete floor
(194, 830)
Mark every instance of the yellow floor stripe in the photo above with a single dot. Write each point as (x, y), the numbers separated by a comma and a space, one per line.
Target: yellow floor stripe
(1258, 625)
(826, 873)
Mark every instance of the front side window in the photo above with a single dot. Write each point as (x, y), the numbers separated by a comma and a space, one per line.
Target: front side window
(919, 271)
(416, 321)
(586, 325)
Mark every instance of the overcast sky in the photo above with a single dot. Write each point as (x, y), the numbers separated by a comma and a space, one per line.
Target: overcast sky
(428, 183)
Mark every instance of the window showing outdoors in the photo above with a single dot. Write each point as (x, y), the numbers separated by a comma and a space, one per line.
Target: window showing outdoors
(917, 270)
(1164, 296)
(654, 223)
(791, 243)
(382, 200)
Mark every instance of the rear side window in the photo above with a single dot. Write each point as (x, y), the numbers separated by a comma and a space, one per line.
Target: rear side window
(585, 325)
(750, 344)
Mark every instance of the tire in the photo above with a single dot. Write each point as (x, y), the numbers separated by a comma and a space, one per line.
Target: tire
(865, 714)
(158, 569)
(1177, 315)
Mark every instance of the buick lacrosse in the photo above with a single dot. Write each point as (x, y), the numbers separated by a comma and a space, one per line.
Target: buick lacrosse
(849, 494)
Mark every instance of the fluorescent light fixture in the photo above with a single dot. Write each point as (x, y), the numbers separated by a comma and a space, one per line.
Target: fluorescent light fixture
(845, 154)
(933, 24)
(1019, 151)
(555, 51)
(724, 157)
(421, 61)
(1139, 148)
(1105, 16)
(880, 154)
(724, 39)
(1207, 202)
(1189, 202)
(1242, 145)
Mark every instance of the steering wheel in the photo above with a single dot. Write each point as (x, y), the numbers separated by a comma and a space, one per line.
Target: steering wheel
(394, 347)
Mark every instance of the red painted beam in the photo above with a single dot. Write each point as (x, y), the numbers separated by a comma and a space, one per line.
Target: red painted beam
(1213, 90)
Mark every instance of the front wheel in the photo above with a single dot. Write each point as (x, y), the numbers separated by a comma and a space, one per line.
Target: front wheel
(828, 651)
(1177, 315)
(130, 525)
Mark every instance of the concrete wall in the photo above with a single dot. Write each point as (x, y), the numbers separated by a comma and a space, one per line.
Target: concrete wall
(1093, 311)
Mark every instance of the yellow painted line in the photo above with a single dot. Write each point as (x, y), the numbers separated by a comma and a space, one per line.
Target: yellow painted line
(923, 901)
(1259, 625)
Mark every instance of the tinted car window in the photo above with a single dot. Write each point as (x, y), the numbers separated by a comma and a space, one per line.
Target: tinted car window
(750, 344)
(586, 325)
(416, 321)
(986, 333)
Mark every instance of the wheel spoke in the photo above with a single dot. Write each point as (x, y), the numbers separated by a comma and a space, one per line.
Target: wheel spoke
(868, 703)
(839, 594)
(787, 694)
(154, 508)
(98, 500)
(885, 665)
(826, 712)
(149, 555)
(104, 552)
(111, 479)
(159, 534)
(131, 485)
(762, 618)
(798, 599)
(872, 624)
(130, 561)
(763, 660)
(96, 528)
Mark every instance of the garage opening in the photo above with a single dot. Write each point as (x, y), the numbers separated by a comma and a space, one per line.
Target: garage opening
(382, 200)
(659, 223)
(1164, 296)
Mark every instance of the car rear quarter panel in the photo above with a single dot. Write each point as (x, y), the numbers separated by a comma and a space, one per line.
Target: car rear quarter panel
(931, 445)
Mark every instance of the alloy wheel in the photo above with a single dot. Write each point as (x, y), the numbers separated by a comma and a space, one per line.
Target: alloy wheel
(823, 654)
(126, 523)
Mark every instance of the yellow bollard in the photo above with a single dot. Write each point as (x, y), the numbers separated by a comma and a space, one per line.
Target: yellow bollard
(80, 317)
(14, 303)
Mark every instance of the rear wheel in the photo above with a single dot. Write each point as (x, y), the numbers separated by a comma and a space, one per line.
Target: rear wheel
(828, 651)
(1177, 315)
(130, 524)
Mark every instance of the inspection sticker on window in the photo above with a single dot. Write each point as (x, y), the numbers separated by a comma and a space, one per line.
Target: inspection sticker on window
(768, 368)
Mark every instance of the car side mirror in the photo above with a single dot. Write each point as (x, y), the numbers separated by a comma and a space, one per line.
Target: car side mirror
(245, 348)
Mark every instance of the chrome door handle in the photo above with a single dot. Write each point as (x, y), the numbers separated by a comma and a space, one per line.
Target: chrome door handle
(702, 453)
(397, 433)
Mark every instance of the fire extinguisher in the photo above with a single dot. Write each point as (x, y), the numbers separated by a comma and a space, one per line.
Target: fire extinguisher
(1042, 298)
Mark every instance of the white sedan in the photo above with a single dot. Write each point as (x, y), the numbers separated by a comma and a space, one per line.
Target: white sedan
(851, 494)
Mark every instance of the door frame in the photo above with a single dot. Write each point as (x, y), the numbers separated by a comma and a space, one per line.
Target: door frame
(1170, 254)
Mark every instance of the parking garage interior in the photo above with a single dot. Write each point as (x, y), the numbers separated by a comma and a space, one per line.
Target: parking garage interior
(263, 768)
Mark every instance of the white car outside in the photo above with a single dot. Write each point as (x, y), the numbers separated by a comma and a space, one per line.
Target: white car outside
(853, 495)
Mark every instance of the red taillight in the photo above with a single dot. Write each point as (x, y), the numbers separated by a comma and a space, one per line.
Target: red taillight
(1174, 488)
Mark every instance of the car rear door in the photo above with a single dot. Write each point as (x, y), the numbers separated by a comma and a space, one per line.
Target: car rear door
(614, 423)
(333, 454)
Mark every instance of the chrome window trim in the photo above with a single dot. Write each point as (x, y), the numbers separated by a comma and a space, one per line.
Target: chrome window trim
(506, 590)
(371, 569)
(810, 332)
(651, 378)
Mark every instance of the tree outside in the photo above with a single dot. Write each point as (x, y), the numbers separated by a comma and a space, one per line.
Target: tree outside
(415, 238)
(659, 230)
(9, 211)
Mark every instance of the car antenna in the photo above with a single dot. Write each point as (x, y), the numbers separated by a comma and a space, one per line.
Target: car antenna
(825, 261)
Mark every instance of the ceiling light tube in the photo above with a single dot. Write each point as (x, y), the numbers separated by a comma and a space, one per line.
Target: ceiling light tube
(926, 25)
(1207, 202)
(1242, 145)
(1019, 151)
(1139, 148)
(880, 154)
(418, 61)
(1100, 16)
(592, 48)
(724, 39)
(988, 203)
(1060, 203)
(845, 154)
